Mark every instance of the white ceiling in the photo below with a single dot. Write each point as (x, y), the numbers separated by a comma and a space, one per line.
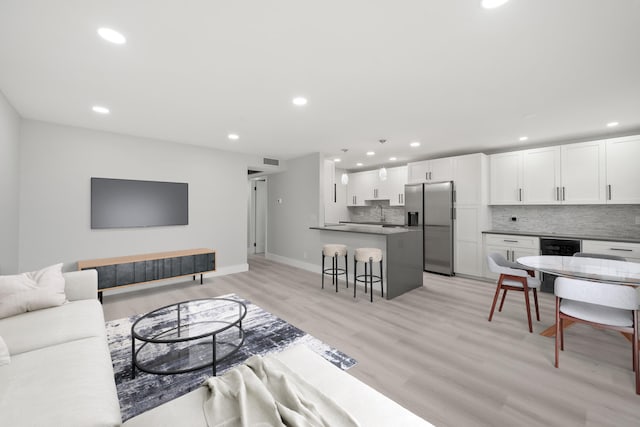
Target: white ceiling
(450, 74)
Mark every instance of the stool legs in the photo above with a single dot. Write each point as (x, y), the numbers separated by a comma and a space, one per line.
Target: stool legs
(335, 271)
(355, 275)
(381, 281)
(368, 278)
(322, 270)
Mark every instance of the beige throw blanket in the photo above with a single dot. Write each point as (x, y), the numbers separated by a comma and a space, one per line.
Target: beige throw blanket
(264, 392)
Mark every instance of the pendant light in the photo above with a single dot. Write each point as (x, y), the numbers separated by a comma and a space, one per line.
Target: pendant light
(382, 173)
(344, 179)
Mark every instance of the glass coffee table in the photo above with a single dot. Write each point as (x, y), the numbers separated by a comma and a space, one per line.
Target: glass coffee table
(187, 336)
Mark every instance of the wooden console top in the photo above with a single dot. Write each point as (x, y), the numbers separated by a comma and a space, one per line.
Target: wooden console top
(100, 262)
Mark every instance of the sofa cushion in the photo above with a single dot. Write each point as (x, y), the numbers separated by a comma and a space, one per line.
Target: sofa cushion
(32, 291)
(5, 358)
(70, 384)
(51, 326)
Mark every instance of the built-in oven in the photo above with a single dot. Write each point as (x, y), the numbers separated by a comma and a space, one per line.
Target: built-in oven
(561, 247)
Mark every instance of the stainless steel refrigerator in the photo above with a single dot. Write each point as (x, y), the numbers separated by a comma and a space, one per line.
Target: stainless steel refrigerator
(431, 206)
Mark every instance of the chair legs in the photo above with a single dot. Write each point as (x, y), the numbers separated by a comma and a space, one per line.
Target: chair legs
(558, 330)
(504, 295)
(525, 289)
(495, 299)
(634, 343)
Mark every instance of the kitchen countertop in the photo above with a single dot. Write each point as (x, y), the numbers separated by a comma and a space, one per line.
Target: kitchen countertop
(366, 229)
(564, 236)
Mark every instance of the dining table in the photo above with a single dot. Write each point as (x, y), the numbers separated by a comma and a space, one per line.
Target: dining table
(584, 268)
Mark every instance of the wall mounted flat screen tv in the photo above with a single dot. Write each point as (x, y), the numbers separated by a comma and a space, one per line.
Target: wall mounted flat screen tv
(124, 203)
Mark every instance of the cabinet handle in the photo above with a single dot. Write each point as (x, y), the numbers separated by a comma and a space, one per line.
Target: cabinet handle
(335, 193)
(620, 249)
(557, 193)
(519, 194)
(513, 256)
(426, 176)
(508, 254)
(609, 188)
(510, 241)
(562, 193)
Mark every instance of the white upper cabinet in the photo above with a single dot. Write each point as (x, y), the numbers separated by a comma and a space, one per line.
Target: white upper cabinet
(431, 170)
(583, 173)
(595, 172)
(440, 170)
(368, 186)
(541, 176)
(393, 186)
(469, 180)
(506, 178)
(417, 171)
(623, 172)
(360, 188)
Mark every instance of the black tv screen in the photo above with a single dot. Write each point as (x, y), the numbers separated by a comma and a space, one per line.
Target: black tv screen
(124, 203)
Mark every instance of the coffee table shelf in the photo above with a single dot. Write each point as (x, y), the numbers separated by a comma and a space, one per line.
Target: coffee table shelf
(187, 336)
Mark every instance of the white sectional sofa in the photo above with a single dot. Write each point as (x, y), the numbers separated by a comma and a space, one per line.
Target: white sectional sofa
(60, 373)
(368, 406)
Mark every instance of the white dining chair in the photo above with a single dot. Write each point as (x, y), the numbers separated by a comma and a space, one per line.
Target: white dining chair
(513, 277)
(602, 305)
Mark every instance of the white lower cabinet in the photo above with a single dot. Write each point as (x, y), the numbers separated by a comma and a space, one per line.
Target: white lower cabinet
(511, 247)
(629, 251)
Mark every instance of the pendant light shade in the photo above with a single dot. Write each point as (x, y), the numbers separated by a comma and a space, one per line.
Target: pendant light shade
(344, 179)
(382, 173)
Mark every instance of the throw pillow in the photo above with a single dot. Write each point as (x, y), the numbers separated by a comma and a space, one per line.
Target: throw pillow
(5, 359)
(31, 291)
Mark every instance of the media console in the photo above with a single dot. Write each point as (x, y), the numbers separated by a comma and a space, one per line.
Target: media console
(136, 269)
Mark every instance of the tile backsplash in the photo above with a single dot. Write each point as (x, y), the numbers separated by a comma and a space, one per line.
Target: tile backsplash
(391, 214)
(588, 220)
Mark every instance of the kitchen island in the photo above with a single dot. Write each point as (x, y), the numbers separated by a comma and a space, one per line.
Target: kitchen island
(401, 252)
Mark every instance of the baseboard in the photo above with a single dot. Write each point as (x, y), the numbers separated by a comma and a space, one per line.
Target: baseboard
(293, 262)
(222, 271)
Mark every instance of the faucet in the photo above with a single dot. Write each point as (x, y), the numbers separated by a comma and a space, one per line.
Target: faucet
(381, 213)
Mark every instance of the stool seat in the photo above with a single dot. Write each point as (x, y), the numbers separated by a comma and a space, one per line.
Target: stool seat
(330, 249)
(364, 254)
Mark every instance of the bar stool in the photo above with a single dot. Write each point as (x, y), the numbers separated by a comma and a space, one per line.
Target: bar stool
(334, 251)
(368, 256)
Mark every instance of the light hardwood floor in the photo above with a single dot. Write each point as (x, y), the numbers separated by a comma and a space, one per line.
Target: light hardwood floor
(433, 351)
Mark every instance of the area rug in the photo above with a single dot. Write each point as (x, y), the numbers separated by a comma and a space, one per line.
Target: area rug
(264, 334)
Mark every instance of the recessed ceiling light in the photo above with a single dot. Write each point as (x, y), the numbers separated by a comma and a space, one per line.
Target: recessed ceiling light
(492, 4)
(233, 136)
(415, 144)
(612, 124)
(371, 153)
(523, 138)
(358, 164)
(100, 110)
(299, 100)
(337, 160)
(392, 159)
(111, 36)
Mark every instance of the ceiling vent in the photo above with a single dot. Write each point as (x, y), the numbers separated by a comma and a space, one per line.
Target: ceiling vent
(272, 162)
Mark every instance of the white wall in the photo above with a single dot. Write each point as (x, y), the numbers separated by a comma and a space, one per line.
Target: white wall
(300, 188)
(9, 186)
(57, 163)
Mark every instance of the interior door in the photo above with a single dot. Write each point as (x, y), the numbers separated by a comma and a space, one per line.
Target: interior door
(260, 216)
